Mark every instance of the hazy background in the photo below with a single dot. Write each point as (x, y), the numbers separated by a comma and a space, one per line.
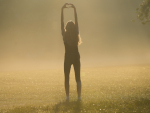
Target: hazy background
(30, 34)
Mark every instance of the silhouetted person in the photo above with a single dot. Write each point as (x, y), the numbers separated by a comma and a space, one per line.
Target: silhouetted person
(71, 40)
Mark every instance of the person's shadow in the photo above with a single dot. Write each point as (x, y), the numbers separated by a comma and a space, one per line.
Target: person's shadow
(73, 107)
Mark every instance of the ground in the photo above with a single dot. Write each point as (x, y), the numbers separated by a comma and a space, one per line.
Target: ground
(104, 90)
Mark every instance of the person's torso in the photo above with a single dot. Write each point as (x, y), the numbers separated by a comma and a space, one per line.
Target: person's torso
(71, 51)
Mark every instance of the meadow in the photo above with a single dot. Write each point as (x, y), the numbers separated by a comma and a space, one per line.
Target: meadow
(124, 89)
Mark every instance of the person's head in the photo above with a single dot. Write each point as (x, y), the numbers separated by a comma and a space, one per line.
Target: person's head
(71, 34)
(70, 26)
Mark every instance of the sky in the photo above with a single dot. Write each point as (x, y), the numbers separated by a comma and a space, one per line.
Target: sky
(30, 34)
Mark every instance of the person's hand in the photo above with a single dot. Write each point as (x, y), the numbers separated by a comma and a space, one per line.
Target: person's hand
(64, 6)
(71, 5)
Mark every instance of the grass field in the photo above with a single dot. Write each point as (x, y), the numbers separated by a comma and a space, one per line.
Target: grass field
(104, 89)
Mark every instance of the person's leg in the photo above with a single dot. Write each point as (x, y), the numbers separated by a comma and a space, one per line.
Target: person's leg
(67, 66)
(76, 65)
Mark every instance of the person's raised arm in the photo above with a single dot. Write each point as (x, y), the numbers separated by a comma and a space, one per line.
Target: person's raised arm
(62, 19)
(75, 15)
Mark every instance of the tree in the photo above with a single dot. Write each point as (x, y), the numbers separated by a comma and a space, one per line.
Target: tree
(144, 12)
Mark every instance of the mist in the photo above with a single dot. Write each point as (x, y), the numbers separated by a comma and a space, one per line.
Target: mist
(30, 33)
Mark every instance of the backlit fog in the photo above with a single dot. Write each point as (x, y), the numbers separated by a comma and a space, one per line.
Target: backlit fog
(30, 34)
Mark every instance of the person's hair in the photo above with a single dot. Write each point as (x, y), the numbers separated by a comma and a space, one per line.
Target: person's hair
(72, 36)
